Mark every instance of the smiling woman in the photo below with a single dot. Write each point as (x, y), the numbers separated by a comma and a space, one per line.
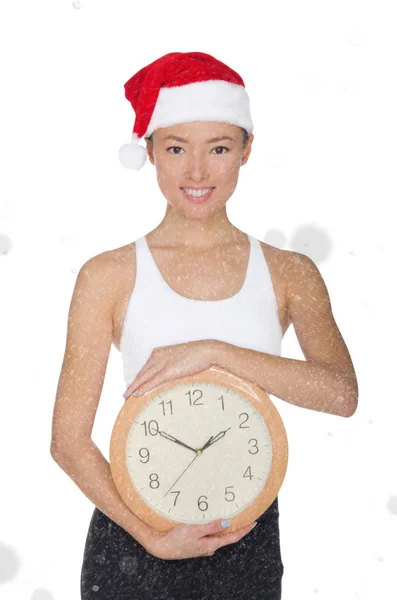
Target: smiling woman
(183, 288)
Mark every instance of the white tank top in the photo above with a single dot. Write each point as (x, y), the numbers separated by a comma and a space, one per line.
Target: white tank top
(158, 316)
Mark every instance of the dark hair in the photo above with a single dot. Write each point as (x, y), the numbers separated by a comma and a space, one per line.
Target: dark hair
(245, 137)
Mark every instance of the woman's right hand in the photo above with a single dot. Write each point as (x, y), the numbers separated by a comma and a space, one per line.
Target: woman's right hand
(190, 541)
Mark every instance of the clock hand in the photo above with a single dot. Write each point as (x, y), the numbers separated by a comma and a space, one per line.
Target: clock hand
(212, 439)
(184, 471)
(207, 443)
(173, 439)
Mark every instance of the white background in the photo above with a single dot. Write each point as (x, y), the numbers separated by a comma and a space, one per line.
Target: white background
(321, 180)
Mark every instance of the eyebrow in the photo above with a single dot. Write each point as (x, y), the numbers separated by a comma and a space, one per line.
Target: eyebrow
(211, 141)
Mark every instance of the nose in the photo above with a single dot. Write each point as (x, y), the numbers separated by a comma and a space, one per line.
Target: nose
(197, 168)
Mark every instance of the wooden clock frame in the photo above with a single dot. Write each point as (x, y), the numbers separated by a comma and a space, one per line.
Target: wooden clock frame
(219, 376)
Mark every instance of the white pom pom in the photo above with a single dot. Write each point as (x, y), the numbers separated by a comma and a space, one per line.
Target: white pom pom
(133, 155)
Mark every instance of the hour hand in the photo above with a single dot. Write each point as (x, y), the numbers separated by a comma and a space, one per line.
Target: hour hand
(207, 443)
(173, 439)
(213, 439)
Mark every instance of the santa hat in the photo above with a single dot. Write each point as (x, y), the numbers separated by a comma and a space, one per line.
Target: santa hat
(182, 87)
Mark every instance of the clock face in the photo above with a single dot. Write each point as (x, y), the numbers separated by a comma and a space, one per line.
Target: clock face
(170, 473)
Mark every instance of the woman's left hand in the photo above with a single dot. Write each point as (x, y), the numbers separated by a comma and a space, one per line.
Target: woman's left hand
(169, 362)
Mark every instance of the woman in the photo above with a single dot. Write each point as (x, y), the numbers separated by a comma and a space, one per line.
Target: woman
(189, 294)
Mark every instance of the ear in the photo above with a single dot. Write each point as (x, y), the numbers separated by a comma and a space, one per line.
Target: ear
(247, 150)
(149, 149)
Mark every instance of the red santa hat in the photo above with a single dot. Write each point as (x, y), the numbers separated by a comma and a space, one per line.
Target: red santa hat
(182, 87)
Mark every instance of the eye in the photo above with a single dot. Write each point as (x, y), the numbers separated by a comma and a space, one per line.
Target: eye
(223, 147)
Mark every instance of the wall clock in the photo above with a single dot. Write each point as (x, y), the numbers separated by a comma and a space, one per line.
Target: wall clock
(200, 447)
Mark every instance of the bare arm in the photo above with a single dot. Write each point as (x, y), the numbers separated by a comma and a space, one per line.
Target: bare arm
(88, 344)
(326, 381)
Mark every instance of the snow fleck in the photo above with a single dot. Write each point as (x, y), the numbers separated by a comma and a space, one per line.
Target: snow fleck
(10, 562)
(128, 564)
(42, 594)
(392, 505)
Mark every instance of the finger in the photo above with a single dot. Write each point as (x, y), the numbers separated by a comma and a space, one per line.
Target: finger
(147, 367)
(228, 538)
(141, 378)
(153, 382)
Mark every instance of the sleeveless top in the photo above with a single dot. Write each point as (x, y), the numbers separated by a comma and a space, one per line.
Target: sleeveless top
(157, 315)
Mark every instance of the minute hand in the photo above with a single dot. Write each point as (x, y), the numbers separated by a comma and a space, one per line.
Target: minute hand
(212, 440)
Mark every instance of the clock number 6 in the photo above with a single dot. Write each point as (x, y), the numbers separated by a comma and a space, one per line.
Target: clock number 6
(200, 502)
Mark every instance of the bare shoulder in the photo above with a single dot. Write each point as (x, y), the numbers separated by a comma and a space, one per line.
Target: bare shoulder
(290, 267)
(302, 273)
(113, 275)
(275, 256)
(112, 264)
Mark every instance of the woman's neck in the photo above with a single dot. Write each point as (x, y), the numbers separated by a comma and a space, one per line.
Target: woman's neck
(176, 230)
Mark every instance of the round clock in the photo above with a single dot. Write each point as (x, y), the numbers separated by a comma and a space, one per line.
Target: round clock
(198, 448)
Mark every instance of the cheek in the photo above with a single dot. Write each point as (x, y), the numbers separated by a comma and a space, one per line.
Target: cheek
(169, 173)
(226, 175)
(228, 166)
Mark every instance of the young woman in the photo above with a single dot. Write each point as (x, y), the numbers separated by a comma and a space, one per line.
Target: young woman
(195, 291)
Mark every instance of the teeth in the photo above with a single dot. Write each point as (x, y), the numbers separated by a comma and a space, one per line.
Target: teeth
(197, 193)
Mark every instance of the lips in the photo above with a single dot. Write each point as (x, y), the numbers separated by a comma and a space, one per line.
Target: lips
(198, 199)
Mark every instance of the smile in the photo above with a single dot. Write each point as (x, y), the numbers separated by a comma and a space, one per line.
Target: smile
(200, 195)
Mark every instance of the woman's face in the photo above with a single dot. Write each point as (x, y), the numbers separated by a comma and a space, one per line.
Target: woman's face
(187, 156)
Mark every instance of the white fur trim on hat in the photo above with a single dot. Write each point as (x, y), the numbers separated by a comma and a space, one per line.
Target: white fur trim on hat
(212, 100)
